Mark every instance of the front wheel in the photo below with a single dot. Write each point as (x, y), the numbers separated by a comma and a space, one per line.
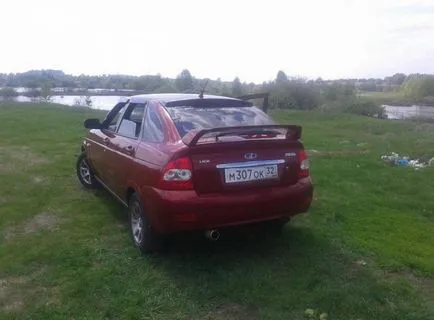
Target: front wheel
(142, 233)
(85, 174)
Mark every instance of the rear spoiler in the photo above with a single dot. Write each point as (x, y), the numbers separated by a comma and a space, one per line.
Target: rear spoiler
(293, 132)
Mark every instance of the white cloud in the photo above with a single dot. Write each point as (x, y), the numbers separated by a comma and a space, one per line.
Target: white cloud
(249, 39)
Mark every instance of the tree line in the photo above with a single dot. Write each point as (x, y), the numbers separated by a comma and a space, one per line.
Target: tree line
(285, 91)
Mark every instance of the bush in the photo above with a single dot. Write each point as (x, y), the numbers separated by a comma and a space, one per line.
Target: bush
(294, 94)
(428, 101)
(364, 107)
(8, 92)
(35, 93)
(418, 87)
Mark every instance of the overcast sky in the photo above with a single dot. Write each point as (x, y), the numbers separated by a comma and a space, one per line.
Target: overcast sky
(219, 38)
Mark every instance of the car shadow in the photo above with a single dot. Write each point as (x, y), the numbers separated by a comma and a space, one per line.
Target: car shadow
(117, 210)
(252, 272)
(260, 269)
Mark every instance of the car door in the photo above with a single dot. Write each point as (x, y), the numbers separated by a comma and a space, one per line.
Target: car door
(122, 148)
(99, 140)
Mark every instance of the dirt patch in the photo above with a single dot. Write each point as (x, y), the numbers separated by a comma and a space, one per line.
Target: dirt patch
(232, 312)
(16, 291)
(38, 180)
(424, 285)
(16, 157)
(40, 222)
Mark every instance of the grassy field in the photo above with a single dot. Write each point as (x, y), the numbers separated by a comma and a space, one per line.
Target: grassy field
(364, 251)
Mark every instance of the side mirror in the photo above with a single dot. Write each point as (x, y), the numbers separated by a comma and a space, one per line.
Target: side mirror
(92, 124)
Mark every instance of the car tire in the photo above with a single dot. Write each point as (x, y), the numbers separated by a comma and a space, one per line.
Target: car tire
(85, 173)
(143, 235)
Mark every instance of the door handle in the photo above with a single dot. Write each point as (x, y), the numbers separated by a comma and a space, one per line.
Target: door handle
(106, 141)
(129, 149)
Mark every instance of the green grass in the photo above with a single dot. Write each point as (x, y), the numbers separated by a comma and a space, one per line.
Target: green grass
(364, 251)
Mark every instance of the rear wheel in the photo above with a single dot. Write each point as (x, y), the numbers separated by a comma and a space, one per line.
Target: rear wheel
(85, 174)
(143, 234)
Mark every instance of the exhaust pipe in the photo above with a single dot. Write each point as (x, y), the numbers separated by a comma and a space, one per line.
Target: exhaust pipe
(212, 234)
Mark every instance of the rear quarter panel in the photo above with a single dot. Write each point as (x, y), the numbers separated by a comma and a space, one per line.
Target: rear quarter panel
(150, 158)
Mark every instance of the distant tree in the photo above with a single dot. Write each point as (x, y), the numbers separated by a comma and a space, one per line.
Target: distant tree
(281, 78)
(31, 84)
(237, 87)
(225, 91)
(184, 81)
(8, 93)
(67, 84)
(46, 92)
(3, 79)
(418, 86)
(368, 86)
(165, 88)
(337, 91)
(397, 79)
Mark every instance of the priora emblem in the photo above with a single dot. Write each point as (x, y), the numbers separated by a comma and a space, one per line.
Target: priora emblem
(250, 156)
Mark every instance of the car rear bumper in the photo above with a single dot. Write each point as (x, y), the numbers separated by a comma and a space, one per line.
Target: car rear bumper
(173, 211)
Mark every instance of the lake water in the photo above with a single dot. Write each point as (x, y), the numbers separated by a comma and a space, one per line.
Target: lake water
(98, 102)
(408, 112)
(108, 102)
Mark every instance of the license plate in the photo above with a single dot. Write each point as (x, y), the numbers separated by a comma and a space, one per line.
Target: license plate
(234, 175)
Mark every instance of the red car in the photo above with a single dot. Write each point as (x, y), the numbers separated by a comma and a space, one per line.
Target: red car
(183, 162)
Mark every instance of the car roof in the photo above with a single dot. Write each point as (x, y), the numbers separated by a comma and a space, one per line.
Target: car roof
(168, 97)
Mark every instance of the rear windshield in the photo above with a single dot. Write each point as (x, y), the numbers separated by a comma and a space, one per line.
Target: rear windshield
(188, 118)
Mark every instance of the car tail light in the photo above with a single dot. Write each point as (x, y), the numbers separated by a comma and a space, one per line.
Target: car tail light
(304, 165)
(177, 175)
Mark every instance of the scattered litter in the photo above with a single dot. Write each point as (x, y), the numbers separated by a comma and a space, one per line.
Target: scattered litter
(395, 159)
(323, 316)
(316, 151)
(315, 314)
(362, 144)
(309, 312)
(360, 262)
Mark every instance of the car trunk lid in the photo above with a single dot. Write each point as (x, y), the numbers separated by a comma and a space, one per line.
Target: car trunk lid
(235, 159)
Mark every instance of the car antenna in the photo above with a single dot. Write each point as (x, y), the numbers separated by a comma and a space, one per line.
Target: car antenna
(203, 89)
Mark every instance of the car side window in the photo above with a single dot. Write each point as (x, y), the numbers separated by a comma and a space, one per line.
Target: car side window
(114, 122)
(153, 127)
(131, 122)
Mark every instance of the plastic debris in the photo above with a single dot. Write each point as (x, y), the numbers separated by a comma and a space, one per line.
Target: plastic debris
(404, 161)
(360, 262)
(323, 316)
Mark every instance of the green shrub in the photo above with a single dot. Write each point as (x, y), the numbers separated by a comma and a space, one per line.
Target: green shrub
(8, 92)
(34, 93)
(360, 106)
(294, 94)
(364, 107)
(418, 87)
